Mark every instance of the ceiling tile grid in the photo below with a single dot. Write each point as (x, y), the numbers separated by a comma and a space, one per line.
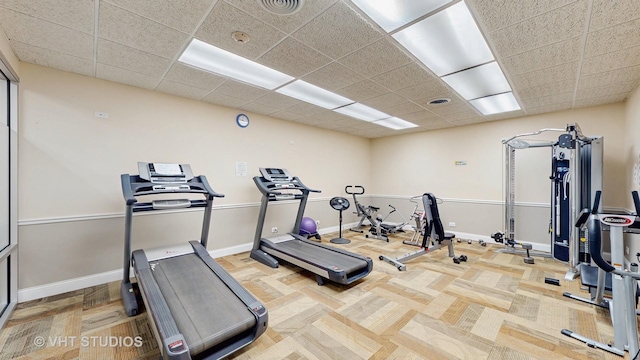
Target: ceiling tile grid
(556, 54)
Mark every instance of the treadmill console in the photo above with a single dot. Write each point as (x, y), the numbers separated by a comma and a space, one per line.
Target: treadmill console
(276, 175)
(166, 177)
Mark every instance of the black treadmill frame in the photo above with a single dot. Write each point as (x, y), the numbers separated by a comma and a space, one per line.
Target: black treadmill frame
(171, 341)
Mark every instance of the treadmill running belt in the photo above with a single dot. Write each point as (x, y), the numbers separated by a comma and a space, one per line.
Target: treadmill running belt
(203, 307)
(320, 255)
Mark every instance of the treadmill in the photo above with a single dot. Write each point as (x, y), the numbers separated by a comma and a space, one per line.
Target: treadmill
(196, 309)
(328, 263)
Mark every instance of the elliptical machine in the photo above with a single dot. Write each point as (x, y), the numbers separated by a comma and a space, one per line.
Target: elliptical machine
(624, 285)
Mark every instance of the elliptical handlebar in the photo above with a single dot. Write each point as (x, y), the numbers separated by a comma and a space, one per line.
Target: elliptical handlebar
(346, 189)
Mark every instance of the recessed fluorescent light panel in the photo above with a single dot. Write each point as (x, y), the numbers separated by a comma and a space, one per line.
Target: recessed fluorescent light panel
(392, 14)
(304, 91)
(496, 104)
(447, 41)
(395, 123)
(210, 58)
(479, 81)
(362, 112)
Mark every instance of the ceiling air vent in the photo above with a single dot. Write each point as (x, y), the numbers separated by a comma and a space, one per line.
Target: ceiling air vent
(440, 101)
(281, 7)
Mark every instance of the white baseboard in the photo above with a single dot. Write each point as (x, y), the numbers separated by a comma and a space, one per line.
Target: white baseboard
(59, 287)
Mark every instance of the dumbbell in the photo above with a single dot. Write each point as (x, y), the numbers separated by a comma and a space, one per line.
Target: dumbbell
(528, 259)
(482, 242)
(459, 259)
(469, 241)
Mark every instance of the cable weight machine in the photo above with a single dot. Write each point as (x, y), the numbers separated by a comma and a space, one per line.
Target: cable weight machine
(576, 174)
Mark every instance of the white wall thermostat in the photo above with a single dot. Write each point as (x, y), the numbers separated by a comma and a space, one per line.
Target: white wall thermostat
(242, 120)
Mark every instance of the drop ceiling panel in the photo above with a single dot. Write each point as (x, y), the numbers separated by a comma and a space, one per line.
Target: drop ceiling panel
(277, 100)
(559, 87)
(607, 90)
(224, 100)
(548, 28)
(556, 54)
(293, 58)
(499, 14)
(548, 100)
(420, 115)
(305, 109)
(363, 90)
(164, 11)
(36, 32)
(77, 15)
(240, 91)
(124, 57)
(127, 77)
(543, 57)
(337, 31)
(567, 71)
(549, 108)
(225, 19)
(618, 37)
(601, 100)
(57, 60)
(405, 108)
(404, 76)
(118, 25)
(259, 108)
(610, 77)
(179, 89)
(384, 101)
(333, 76)
(286, 115)
(611, 61)
(188, 75)
(606, 13)
(464, 115)
(375, 59)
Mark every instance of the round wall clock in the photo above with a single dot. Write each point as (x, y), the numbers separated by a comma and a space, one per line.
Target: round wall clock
(242, 120)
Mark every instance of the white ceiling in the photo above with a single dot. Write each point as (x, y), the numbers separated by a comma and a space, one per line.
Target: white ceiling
(557, 54)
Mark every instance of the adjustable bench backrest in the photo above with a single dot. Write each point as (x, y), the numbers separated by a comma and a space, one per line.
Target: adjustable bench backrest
(433, 224)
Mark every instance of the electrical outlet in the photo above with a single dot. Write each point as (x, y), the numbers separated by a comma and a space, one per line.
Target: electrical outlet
(274, 230)
(626, 250)
(452, 224)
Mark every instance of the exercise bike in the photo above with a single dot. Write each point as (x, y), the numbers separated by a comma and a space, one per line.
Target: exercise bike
(379, 229)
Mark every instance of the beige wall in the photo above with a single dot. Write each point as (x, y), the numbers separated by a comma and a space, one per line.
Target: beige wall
(427, 164)
(71, 204)
(70, 163)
